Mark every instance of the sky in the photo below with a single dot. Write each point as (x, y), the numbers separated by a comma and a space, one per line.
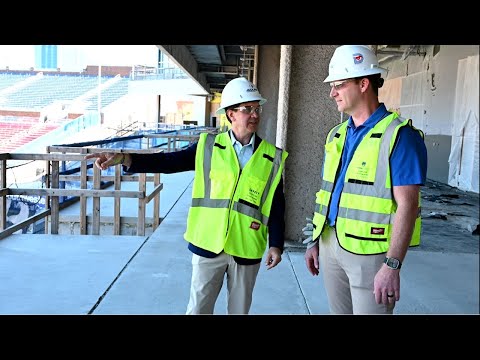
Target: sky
(77, 57)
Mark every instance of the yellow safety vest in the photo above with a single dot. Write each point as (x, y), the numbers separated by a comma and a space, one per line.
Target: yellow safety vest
(230, 207)
(367, 206)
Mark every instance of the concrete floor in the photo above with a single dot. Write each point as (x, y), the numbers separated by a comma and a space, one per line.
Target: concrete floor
(105, 275)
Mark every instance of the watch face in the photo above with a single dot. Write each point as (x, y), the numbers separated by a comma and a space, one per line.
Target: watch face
(393, 263)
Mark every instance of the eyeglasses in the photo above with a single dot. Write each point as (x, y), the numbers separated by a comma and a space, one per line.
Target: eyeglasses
(249, 110)
(339, 84)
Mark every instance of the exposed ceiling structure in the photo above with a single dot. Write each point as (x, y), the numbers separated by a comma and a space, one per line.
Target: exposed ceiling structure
(222, 63)
(213, 66)
(386, 52)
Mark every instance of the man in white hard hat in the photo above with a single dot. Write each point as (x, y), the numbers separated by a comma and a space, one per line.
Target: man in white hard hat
(367, 210)
(238, 203)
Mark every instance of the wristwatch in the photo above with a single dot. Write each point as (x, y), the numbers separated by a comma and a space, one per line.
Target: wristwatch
(393, 263)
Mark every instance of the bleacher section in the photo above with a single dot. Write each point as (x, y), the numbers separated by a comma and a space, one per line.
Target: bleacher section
(38, 94)
(7, 80)
(18, 133)
(49, 88)
(110, 94)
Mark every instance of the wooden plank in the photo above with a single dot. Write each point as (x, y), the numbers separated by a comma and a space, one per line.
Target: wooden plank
(142, 186)
(47, 185)
(116, 205)
(131, 178)
(24, 223)
(3, 193)
(97, 173)
(78, 192)
(55, 200)
(83, 198)
(126, 220)
(156, 203)
(51, 157)
(154, 192)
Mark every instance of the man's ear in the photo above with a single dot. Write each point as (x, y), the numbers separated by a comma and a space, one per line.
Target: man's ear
(365, 82)
(228, 115)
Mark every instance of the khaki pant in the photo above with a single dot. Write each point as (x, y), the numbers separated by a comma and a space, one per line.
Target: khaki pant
(207, 281)
(349, 278)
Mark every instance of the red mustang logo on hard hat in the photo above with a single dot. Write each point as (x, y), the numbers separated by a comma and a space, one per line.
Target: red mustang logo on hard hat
(357, 58)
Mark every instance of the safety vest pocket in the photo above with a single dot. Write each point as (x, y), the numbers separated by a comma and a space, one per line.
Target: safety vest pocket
(252, 190)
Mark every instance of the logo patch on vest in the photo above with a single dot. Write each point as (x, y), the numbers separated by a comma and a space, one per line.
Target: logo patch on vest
(377, 231)
(254, 225)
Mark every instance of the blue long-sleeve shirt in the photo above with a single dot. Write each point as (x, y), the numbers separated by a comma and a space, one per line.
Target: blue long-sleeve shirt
(184, 160)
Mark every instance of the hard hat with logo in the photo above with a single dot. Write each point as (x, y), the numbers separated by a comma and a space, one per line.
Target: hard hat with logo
(239, 90)
(351, 61)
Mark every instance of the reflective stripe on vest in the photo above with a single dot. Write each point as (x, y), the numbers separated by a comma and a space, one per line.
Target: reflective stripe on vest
(365, 229)
(230, 208)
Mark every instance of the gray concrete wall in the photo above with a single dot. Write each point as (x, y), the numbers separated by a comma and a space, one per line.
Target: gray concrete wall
(311, 114)
(438, 148)
(267, 83)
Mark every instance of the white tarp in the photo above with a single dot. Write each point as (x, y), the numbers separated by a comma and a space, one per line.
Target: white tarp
(413, 101)
(464, 169)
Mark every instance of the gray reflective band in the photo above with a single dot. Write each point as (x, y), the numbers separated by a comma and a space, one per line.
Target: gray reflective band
(333, 132)
(249, 211)
(273, 173)
(324, 210)
(367, 190)
(362, 215)
(368, 216)
(212, 203)
(384, 154)
(207, 163)
(327, 185)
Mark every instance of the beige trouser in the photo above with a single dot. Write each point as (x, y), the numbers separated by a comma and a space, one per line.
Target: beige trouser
(349, 278)
(207, 281)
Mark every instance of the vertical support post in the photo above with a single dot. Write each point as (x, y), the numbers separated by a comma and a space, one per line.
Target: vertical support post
(3, 202)
(156, 202)
(97, 174)
(83, 199)
(55, 200)
(142, 186)
(117, 201)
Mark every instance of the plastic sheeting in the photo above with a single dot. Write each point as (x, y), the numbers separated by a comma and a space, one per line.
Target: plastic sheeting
(414, 101)
(464, 158)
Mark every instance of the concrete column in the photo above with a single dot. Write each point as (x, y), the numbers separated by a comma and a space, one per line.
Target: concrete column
(283, 95)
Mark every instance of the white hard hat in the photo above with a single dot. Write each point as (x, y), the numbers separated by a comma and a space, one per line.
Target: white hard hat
(351, 61)
(239, 90)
